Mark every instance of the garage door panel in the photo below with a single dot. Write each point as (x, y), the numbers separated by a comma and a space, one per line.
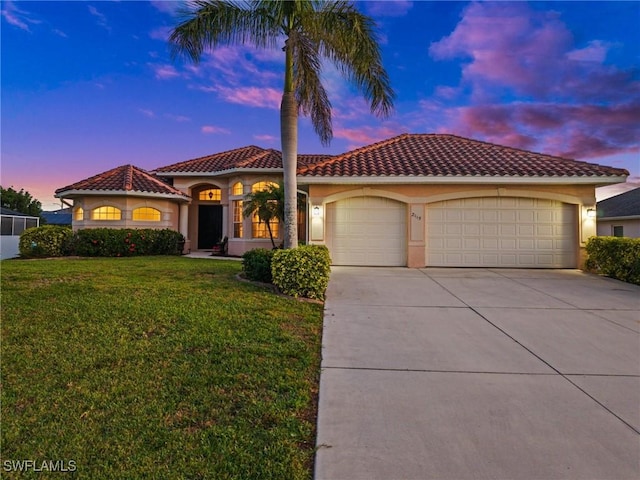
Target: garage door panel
(501, 231)
(367, 231)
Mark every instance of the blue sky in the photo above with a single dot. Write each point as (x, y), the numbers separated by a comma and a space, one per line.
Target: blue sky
(88, 86)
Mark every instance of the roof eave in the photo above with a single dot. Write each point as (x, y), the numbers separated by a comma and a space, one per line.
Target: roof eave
(620, 218)
(470, 179)
(120, 193)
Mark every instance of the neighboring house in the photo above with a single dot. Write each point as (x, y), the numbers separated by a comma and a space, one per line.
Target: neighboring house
(60, 217)
(619, 216)
(415, 200)
(12, 225)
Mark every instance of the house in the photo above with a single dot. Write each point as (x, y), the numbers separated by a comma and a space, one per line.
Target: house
(12, 225)
(619, 216)
(413, 200)
(60, 217)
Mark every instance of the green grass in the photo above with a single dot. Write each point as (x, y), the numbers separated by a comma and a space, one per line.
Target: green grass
(156, 367)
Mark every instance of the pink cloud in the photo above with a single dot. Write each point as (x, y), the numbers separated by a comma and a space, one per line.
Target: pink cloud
(147, 113)
(160, 33)
(509, 46)
(164, 72)
(576, 105)
(396, 8)
(211, 129)
(17, 17)
(266, 138)
(595, 52)
(177, 118)
(573, 131)
(365, 135)
(251, 96)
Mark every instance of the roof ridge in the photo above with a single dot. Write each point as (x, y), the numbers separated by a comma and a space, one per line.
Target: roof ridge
(365, 148)
(128, 177)
(204, 157)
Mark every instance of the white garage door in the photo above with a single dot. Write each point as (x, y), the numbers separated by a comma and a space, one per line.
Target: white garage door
(501, 232)
(367, 231)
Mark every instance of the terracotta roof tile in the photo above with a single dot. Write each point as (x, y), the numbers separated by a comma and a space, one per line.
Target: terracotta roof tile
(436, 155)
(239, 158)
(126, 178)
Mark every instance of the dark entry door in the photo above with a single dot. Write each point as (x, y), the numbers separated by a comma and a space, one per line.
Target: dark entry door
(209, 225)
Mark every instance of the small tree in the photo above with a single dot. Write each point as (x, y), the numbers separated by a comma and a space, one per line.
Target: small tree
(268, 205)
(20, 201)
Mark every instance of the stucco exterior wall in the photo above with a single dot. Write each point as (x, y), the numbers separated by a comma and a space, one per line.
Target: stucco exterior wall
(631, 227)
(169, 211)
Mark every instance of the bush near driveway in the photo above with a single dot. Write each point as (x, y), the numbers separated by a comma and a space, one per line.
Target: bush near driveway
(156, 367)
(256, 264)
(615, 257)
(302, 271)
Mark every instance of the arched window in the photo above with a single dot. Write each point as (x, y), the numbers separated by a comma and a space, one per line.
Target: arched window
(78, 215)
(106, 213)
(147, 214)
(260, 186)
(237, 189)
(210, 195)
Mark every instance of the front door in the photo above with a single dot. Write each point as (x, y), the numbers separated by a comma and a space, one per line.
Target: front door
(209, 225)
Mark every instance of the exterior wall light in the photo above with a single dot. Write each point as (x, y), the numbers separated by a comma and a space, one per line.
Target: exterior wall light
(317, 211)
(591, 213)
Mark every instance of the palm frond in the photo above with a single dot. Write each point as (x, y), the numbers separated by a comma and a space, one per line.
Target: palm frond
(210, 23)
(311, 95)
(348, 39)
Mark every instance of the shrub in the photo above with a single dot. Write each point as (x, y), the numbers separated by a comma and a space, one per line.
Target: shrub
(256, 264)
(127, 242)
(302, 271)
(45, 241)
(615, 257)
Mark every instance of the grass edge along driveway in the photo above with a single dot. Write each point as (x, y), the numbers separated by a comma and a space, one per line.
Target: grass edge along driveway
(155, 367)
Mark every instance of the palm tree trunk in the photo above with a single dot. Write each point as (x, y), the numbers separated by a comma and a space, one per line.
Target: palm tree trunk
(289, 139)
(270, 234)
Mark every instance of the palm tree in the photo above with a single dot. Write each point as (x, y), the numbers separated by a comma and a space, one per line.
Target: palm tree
(312, 30)
(268, 205)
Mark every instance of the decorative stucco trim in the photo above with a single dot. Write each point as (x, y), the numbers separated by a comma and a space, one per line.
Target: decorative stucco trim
(508, 192)
(367, 192)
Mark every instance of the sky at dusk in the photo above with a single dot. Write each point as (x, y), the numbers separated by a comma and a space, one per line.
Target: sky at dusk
(88, 86)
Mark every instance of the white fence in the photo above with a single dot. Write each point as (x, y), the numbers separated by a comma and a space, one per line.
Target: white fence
(10, 229)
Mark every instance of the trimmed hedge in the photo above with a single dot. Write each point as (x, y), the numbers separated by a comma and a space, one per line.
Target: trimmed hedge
(56, 241)
(127, 242)
(616, 257)
(302, 271)
(45, 241)
(256, 264)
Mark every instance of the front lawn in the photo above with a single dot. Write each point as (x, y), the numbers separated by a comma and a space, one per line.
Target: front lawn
(155, 367)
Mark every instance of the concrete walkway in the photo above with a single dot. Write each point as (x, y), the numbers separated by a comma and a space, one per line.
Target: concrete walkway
(479, 374)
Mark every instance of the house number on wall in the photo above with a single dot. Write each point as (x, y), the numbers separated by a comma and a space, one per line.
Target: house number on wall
(416, 216)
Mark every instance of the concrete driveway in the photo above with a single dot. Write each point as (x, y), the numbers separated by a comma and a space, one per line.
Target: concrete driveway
(479, 374)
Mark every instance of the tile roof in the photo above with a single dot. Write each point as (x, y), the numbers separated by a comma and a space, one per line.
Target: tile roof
(249, 157)
(624, 205)
(440, 155)
(126, 178)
